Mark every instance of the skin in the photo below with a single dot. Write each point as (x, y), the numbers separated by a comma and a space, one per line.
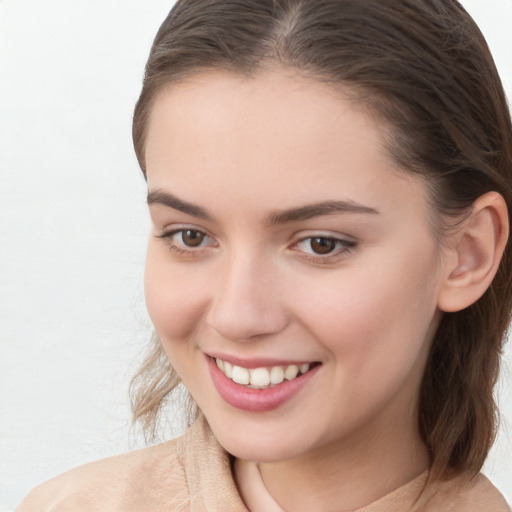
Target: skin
(242, 149)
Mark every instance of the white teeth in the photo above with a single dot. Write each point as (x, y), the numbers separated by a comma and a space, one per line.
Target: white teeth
(261, 378)
(291, 372)
(276, 375)
(240, 375)
(228, 369)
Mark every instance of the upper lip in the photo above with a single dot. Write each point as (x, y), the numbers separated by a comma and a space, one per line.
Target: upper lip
(257, 362)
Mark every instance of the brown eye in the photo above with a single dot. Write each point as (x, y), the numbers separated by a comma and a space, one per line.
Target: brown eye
(322, 245)
(192, 238)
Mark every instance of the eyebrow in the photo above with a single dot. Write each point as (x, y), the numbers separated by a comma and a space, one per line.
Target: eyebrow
(318, 210)
(166, 199)
(279, 217)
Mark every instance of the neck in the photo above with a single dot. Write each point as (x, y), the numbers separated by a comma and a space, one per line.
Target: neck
(345, 477)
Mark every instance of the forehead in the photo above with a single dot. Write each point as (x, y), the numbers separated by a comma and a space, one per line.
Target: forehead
(276, 135)
(275, 110)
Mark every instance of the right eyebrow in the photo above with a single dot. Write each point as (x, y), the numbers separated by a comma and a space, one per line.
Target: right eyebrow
(319, 210)
(158, 196)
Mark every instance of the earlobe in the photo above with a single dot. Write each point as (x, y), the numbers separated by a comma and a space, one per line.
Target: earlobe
(477, 253)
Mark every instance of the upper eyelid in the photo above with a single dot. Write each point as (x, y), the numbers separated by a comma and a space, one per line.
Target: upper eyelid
(312, 233)
(170, 230)
(294, 239)
(341, 239)
(167, 237)
(347, 243)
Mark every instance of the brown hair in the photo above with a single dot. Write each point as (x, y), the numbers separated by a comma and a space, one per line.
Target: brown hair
(424, 68)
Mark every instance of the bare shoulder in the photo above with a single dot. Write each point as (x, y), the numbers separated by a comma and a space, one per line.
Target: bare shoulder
(476, 494)
(132, 481)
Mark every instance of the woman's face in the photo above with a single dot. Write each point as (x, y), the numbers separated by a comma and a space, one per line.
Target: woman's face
(285, 240)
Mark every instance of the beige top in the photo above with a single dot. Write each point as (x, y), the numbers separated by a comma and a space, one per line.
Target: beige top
(193, 474)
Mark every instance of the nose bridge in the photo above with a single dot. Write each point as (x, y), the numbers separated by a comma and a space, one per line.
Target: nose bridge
(247, 302)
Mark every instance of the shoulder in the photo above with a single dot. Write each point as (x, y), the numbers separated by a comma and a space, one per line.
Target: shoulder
(191, 472)
(469, 494)
(123, 482)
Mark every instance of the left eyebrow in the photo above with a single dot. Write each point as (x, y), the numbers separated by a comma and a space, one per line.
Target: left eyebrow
(318, 210)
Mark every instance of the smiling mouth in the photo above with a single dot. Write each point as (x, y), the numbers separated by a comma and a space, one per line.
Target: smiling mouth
(263, 377)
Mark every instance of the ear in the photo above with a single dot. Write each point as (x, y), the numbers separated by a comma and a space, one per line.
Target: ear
(475, 253)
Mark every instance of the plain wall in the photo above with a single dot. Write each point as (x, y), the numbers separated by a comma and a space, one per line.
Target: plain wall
(73, 229)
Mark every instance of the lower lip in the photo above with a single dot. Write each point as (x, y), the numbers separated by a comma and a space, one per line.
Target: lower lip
(256, 400)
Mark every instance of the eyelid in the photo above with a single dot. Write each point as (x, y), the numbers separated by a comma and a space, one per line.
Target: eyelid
(169, 232)
(347, 243)
(171, 229)
(311, 233)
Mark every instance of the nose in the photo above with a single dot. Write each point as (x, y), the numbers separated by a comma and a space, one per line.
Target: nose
(248, 301)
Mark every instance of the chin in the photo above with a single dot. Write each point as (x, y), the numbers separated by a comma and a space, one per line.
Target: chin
(259, 445)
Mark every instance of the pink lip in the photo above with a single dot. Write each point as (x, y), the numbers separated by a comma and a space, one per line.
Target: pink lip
(257, 400)
(255, 363)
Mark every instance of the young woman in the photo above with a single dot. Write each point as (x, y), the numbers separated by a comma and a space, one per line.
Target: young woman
(328, 273)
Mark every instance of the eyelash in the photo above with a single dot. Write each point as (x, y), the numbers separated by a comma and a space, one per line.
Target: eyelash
(182, 249)
(342, 247)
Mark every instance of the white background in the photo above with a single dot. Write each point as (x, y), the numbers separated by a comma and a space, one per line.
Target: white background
(73, 230)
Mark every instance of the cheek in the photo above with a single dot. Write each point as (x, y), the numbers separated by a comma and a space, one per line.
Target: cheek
(377, 338)
(376, 321)
(175, 296)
